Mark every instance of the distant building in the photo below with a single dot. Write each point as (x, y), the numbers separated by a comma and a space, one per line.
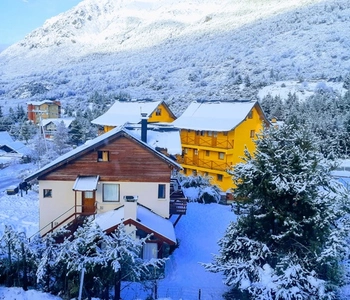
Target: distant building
(46, 109)
(122, 112)
(50, 125)
(214, 136)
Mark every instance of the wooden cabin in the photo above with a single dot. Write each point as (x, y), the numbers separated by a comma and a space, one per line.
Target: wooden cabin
(103, 177)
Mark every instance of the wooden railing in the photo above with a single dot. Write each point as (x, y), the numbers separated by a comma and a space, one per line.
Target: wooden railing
(208, 164)
(205, 142)
(72, 213)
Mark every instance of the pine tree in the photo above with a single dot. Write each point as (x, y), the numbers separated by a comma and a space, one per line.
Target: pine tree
(61, 139)
(290, 238)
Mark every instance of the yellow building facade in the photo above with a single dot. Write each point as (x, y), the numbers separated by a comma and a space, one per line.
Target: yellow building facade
(214, 136)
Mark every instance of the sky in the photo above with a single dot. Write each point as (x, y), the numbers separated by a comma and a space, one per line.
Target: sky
(19, 17)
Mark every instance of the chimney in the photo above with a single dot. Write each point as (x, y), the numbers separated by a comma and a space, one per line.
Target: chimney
(130, 207)
(144, 127)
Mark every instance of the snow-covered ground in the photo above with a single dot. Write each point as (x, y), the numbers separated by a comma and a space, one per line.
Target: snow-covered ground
(198, 232)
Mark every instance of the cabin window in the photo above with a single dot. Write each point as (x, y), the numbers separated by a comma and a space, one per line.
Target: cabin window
(158, 112)
(195, 152)
(47, 193)
(207, 153)
(221, 155)
(102, 155)
(198, 132)
(210, 133)
(215, 134)
(202, 133)
(219, 177)
(206, 174)
(110, 192)
(161, 191)
(149, 251)
(252, 133)
(250, 115)
(185, 150)
(194, 172)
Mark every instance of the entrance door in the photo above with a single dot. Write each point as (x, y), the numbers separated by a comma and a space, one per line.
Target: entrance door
(88, 202)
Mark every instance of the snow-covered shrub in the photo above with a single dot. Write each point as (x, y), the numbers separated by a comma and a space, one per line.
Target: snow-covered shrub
(199, 189)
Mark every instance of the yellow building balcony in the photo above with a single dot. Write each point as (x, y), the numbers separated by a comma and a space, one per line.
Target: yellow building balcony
(206, 142)
(203, 163)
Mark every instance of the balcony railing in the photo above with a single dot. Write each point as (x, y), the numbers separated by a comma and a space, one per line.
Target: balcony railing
(206, 142)
(202, 163)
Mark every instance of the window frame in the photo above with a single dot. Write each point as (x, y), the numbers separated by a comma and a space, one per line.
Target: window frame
(102, 155)
(252, 133)
(47, 193)
(103, 192)
(162, 191)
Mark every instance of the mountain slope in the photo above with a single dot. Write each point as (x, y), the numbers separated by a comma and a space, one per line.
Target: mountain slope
(178, 50)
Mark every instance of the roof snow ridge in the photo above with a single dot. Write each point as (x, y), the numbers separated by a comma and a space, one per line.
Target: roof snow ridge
(218, 101)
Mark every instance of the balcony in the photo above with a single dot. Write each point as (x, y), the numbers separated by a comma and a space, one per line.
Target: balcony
(202, 163)
(213, 142)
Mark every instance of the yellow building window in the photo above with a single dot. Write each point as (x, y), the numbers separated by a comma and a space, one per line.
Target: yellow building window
(221, 155)
(252, 133)
(194, 172)
(207, 153)
(158, 112)
(219, 177)
(210, 133)
(250, 115)
(195, 151)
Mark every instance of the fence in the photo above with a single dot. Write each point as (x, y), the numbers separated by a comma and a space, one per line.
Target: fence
(152, 291)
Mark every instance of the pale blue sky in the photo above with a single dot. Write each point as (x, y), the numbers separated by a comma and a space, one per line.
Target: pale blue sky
(20, 17)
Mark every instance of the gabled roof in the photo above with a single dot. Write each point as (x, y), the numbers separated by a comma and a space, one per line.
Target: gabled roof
(95, 143)
(146, 220)
(5, 138)
(6, 141)
(215, 115)
(57, 121)
(122, 112)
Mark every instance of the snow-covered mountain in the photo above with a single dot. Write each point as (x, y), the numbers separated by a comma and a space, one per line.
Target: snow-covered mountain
(177, 50)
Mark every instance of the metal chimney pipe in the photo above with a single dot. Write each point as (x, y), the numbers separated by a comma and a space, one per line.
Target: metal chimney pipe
(144, 127)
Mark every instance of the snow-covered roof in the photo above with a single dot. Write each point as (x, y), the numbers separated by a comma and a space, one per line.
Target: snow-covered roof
(122, 112)
(42, 102)
(145, 217)
(57, 121)
(100, 140)
(16, 146)
(86, 183)
(214, 116)
(5, 138)
(163, 136)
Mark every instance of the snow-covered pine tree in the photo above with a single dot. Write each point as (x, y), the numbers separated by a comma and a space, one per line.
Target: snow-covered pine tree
(61, 139)
(292, 236)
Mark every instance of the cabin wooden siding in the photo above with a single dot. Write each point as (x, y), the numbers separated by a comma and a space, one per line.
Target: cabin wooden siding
(210, 153)
(128, 161)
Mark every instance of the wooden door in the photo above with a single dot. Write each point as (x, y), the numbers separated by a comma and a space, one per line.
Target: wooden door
(88, 202)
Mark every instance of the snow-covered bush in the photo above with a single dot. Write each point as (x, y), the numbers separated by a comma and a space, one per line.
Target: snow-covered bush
(199, 189)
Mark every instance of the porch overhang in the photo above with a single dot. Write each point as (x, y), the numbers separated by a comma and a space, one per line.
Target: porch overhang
(86, 183)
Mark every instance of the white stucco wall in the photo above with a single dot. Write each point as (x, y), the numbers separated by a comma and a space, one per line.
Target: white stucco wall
(63, 199)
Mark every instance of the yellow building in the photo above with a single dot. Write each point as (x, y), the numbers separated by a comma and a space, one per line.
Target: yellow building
(122, 112)
(39, 110)
(214, 136)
